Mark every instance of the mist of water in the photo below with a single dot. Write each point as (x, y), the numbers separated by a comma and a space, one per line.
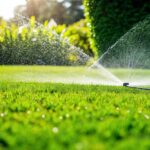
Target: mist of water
(130, 56)
(81, 76)
(127, 60)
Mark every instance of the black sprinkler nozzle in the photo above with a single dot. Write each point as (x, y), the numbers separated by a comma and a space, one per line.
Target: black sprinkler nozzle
(140, 88)
(125, 84)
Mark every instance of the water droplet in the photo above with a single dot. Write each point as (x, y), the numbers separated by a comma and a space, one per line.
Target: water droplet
(38, 109)
(117, 108)
(67, 115)
(2, 114)
(55, 130)
(34, 30)
(140, 112)
(28, 112)
(43, 116)
(128, 111)
(146, 116)
(61, 117)
(34, 39)
(78, 108)
(86, 108)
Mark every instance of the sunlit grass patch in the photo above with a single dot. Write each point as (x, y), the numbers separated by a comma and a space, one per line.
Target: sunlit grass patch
(60, 116)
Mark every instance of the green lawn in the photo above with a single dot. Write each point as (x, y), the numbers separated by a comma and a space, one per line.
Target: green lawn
(69, 116)
(80, 75)
(56, 74)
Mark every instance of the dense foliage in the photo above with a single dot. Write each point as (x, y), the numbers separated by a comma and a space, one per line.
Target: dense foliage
(56, 116)
(109, 20)
(34, 43)
(132, 50)
(79, 35)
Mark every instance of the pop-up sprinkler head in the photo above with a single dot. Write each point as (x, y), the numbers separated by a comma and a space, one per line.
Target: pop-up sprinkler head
(140, 88)
(125, 84)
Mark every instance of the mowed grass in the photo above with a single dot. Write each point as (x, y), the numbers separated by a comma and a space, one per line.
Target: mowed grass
(56, 74)
(79, 75)
(75, 117)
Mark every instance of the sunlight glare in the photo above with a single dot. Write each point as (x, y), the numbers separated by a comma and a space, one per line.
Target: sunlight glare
(7, 8)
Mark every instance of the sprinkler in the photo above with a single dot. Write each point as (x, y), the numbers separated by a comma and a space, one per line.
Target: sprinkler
(126, 84)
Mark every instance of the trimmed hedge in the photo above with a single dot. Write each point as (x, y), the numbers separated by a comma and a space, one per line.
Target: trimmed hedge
(110, 19)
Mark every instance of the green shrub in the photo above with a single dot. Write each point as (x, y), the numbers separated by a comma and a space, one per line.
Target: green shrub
(78, 34)
(35, 44)
(59, 29)
(109, 20)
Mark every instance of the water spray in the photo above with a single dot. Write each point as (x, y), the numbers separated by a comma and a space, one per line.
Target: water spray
(126, 84)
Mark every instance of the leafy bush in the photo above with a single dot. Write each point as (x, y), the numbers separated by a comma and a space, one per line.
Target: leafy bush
(35, 44)
(78, 34)
(109, 20)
